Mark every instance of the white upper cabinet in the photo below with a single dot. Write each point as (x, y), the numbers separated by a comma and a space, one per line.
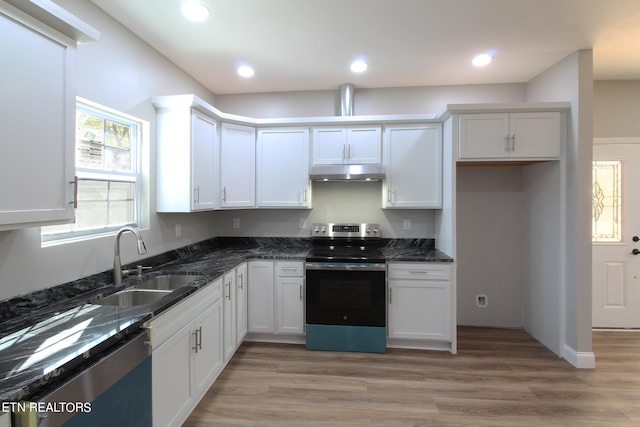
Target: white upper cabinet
(185, 161)
(37, 165)
(282, 167)
(237, 166)
(511, 136)
(350, 145)
(413, 163)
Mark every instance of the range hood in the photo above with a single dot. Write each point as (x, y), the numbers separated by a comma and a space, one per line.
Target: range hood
(347, 173)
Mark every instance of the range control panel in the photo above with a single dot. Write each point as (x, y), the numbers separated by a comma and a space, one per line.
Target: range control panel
(362, 231)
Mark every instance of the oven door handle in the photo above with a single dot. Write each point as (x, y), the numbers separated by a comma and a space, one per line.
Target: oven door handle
(345, 266)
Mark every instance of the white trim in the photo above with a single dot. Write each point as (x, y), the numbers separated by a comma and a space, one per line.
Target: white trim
(625, 140)
(579, 359)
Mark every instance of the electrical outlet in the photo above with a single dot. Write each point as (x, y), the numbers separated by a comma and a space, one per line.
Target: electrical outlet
(236, 222)
(482, 301)
(178, 230)
(406, 224)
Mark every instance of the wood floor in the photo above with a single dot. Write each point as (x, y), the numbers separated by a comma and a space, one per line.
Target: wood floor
(498, 378)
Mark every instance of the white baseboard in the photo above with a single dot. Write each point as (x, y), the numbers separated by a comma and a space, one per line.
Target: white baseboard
(579, 359)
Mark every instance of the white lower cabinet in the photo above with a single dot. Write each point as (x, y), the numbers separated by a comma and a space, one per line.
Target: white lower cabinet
(276, 299)
(235, 309)
(261, 310)
(290, 297)
(420, 298)
(187, 354)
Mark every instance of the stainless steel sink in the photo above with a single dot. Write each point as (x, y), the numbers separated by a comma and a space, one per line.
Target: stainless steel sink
(168, 282)
(132, 297)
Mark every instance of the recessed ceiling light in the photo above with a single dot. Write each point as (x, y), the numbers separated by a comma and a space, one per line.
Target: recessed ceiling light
(246, 71)
(358, 66)
(481, 60)
(195, 11)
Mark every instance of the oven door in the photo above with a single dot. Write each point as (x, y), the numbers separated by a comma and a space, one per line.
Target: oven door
(345, 294)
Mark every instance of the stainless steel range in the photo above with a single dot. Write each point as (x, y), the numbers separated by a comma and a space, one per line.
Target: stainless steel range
(345, 289)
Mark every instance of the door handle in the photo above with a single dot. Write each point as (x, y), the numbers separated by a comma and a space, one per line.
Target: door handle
(635, 251)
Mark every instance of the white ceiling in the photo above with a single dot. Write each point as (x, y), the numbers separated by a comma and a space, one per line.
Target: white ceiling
(309, 44)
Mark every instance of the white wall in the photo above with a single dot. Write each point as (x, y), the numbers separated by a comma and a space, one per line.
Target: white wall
(572, 80)
(407, 100)
(616, 109)
(120, 72)
(489, 254)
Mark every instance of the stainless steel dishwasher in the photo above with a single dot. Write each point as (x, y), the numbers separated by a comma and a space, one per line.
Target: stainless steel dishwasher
(114, 391)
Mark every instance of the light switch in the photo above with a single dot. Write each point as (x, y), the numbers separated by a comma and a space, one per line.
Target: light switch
(178, 230)
(236, 222)
(406, 224)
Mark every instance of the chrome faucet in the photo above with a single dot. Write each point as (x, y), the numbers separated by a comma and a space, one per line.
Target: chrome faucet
(117, 266)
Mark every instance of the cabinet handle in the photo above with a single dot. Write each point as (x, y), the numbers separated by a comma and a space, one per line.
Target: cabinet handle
(300, 292)
(304, 194)
(229, 290)
(196, 195)
(418, 272)
(348, 152)
(506, 143)
(389, 195)
(390, 289)
(224, 194)
(240, 282)
(513, 142)
(198, 337)
(344, 150)
(75, 192)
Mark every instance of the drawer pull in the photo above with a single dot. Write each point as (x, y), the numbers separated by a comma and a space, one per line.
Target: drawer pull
(418, 272)
(198, 335)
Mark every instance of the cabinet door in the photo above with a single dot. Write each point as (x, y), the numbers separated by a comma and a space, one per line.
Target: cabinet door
(241, 302)
(261, 297)
(419, 309)
(290, 305)
(37, 165)
(229, 298)
(535, 135)
(364, 145)
(171, 377)
(329, 146)
(237, 166)
(202, 161)
(282, 166)
(413, 159)
(208, 357)
(484, 136)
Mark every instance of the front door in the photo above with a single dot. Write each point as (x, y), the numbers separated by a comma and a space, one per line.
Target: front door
(616, 235)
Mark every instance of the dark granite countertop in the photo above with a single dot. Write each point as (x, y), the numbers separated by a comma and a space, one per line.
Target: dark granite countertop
(47, 334)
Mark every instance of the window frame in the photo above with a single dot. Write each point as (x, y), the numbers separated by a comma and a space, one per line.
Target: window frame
(137, 138)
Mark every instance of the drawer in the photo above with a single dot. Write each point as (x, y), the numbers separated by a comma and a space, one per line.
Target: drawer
(175, 318)
(419, 271)
(289, 269)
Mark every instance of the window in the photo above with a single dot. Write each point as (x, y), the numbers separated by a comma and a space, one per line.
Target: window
(108, 171)
(606, 218)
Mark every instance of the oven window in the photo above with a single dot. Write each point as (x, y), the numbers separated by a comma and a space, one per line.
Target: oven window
(346, 298)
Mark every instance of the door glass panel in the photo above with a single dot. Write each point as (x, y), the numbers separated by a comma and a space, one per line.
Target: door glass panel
(607, 201)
